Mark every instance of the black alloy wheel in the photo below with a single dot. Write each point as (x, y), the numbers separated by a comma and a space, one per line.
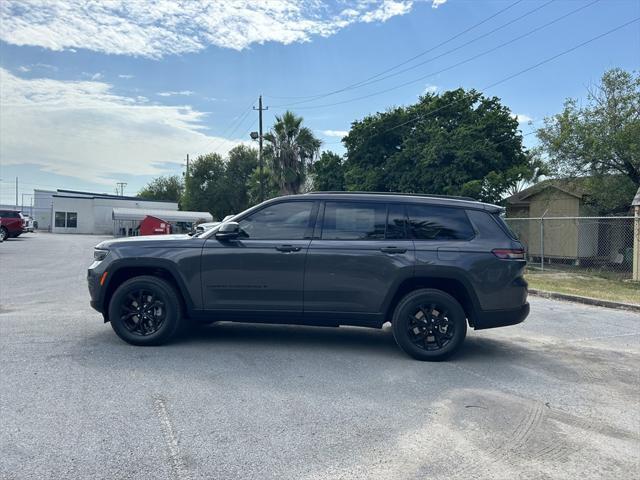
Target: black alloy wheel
(430, 328)
(145, 310)
(429, 324)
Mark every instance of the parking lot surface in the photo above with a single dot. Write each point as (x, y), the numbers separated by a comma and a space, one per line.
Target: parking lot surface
(555, 397)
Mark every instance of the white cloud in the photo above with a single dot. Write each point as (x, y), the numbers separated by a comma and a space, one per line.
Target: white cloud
(521, 117)
(35, 66)
(84, 130)
(335, 133)
(168, 27)
(388, 9)
(430, 89)
(125, 76)
(185, 93)
(437, 3)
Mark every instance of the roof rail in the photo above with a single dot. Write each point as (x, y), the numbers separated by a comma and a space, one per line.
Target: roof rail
(454, 197)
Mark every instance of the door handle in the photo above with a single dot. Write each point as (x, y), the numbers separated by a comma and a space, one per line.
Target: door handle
(393, 250)
(288, 248)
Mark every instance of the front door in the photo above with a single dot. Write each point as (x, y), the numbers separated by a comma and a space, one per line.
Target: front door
(263, 269)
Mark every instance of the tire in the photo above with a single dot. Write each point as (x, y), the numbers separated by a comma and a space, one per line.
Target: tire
(4, 234)
(145, 311)
(429, 324)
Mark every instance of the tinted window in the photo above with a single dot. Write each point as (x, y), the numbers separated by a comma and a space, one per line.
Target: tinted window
(282, 221)
(354, 221)
(430, 222)
(486, 224)
(396, 222)
(60, 219)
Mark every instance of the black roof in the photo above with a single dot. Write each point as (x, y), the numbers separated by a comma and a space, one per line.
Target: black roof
(444, 200)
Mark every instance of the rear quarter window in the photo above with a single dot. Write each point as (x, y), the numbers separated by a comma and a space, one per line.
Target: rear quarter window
(489, 225)
(431, 222)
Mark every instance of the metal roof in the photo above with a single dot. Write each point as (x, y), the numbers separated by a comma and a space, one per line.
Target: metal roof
(167, 215)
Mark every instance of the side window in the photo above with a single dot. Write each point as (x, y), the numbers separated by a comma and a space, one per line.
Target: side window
(430, 222)
(354, 221)
(60, 219)
(282, 221)
(396, 222)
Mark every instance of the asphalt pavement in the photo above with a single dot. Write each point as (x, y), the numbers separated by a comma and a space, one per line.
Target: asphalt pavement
(557, 397)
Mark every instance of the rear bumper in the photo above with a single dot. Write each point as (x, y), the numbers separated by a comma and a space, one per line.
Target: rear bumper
(500, 318)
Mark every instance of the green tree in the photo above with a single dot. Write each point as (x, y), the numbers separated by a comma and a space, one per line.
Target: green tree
(600, 139)
(205, 186)
(455, 143)
(271, 188)
(290, 150)
(169, 188)
(328, 172)
(240, 165)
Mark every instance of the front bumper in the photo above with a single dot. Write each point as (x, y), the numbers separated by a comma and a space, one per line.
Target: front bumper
(95, 290)
(500, 318)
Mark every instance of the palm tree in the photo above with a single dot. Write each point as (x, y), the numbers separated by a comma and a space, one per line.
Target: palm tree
(290, 149)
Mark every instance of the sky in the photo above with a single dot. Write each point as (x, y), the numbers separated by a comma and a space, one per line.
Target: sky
(93, 93)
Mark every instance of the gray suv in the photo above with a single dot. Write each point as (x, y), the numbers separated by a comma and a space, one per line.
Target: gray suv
(429, 265)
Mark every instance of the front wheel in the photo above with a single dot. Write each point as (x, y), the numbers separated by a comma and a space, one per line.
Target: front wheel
(145, 310)
(429, 324)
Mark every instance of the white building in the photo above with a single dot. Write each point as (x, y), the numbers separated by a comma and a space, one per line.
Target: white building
(69, 211)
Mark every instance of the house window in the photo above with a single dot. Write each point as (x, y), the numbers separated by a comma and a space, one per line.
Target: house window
(66, 220)
(72, 219)
(60, 219)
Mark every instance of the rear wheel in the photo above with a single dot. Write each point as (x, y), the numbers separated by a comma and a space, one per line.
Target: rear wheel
(145, 310)
(429, 324)
(4, 234)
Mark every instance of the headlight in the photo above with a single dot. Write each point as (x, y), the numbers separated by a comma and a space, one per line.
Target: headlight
(99, 255)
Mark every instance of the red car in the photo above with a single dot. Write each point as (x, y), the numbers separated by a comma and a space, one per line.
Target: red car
(11, 224)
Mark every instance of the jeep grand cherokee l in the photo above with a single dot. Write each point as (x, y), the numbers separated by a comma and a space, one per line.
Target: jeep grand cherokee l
(429, 265)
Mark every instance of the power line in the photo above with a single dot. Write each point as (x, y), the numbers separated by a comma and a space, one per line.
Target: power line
(229, 131)
(380, 78)
(462, 62)
(450, 39)
(517, 74)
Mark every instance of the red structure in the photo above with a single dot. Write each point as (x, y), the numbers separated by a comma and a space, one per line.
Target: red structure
(154, 226)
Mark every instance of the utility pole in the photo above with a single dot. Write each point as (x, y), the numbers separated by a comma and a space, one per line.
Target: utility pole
(260, 162)
(16, 192)
(121, 185)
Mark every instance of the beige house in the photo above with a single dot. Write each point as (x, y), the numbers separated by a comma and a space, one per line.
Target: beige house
(547, 214)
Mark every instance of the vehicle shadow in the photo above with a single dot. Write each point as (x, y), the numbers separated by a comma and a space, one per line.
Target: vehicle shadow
(346, 339)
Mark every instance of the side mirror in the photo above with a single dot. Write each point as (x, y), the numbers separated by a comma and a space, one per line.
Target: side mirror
(228, 231)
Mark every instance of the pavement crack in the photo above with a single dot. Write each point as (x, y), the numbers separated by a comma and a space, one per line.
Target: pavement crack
(176, 464)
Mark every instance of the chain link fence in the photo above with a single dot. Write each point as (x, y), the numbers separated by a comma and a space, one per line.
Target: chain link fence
(588, 245)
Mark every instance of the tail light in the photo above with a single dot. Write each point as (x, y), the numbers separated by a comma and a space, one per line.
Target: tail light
(509, 253)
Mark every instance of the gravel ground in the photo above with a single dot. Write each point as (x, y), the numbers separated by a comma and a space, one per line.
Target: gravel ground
(555, 397)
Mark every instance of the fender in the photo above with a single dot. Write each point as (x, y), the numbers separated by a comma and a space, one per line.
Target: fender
(430, 276)
(150, 263)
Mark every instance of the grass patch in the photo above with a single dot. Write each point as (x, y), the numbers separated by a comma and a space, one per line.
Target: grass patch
(594, 287)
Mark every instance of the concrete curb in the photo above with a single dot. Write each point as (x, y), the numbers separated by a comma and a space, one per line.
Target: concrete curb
(586, 300)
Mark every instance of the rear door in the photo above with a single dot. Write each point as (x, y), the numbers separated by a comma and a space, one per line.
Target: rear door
(357, 256)
(263, 269)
